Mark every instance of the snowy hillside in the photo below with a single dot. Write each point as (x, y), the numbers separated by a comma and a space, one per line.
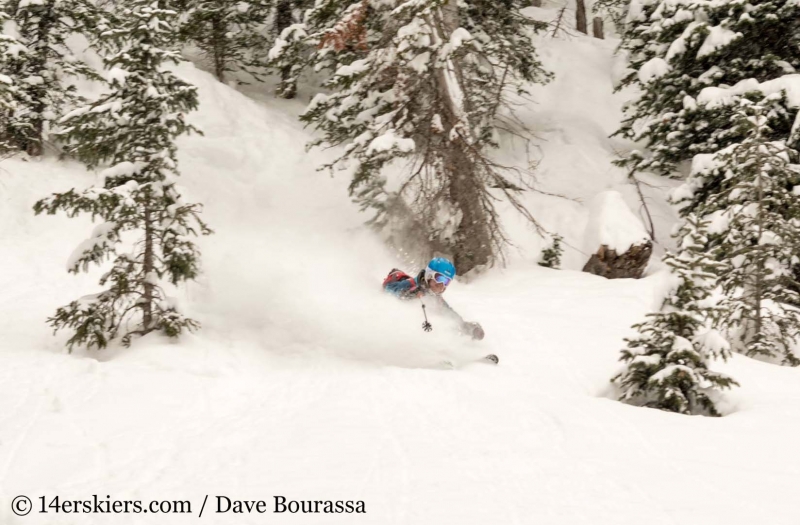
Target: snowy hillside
(307, 382)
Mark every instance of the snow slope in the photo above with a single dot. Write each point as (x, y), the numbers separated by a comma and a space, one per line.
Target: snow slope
(306, 382)
(572, 118)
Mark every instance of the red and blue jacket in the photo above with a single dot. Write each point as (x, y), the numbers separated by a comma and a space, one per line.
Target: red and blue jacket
(402, 285)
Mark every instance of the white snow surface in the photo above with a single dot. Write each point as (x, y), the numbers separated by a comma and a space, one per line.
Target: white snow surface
(613, 224)
(306, 382)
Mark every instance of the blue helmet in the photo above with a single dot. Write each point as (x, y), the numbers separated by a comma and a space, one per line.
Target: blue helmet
(440, 265)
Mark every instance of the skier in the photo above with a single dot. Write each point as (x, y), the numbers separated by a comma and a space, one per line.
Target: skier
(431, 282)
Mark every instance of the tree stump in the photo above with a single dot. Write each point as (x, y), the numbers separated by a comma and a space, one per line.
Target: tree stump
(597, 27)
(629, 265)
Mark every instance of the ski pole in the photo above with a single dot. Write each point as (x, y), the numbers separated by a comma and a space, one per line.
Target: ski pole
(426, 325)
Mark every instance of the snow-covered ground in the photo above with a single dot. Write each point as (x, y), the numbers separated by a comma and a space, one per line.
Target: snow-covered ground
(306, 382)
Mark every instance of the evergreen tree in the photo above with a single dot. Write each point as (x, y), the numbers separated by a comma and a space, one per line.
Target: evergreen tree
(712, 77)
(132, 128)
(39, 63)
(8, 91)
(756, 224)
(679, 49)
(667, 362)
(422, 80)
(551, 256)
(288, 32)
(231, 33)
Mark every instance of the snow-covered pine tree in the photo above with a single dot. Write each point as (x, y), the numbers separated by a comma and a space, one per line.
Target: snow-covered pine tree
(667, 363)
(289, 54)
(231, 33)
(423, 80)
(747, 191)
(39, 63)
(8, 90)
(678, 49)
(132, 128)
(284, 27)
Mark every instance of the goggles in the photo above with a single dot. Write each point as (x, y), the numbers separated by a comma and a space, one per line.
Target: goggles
(441, 278)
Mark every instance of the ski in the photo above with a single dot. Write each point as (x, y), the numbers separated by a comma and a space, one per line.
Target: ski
(489, 359)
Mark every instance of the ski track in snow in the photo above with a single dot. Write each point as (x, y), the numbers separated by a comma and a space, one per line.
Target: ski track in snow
(306, 382)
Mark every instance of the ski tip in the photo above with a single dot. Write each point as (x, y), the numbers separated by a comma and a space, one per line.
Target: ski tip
(492, 359)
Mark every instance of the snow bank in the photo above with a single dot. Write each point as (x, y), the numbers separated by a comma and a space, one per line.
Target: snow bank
(572, 118)
(613, 224)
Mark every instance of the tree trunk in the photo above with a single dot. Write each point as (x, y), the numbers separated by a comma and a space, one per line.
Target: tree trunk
(451, 79)
(580, 16)
(536, 3)
(34, 140)
(472, 243)
(283, 19)
(218, 34)
(597, 28)
(149, 266)
(760, 271)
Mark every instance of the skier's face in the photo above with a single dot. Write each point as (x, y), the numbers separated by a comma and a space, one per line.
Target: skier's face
(437, 288)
